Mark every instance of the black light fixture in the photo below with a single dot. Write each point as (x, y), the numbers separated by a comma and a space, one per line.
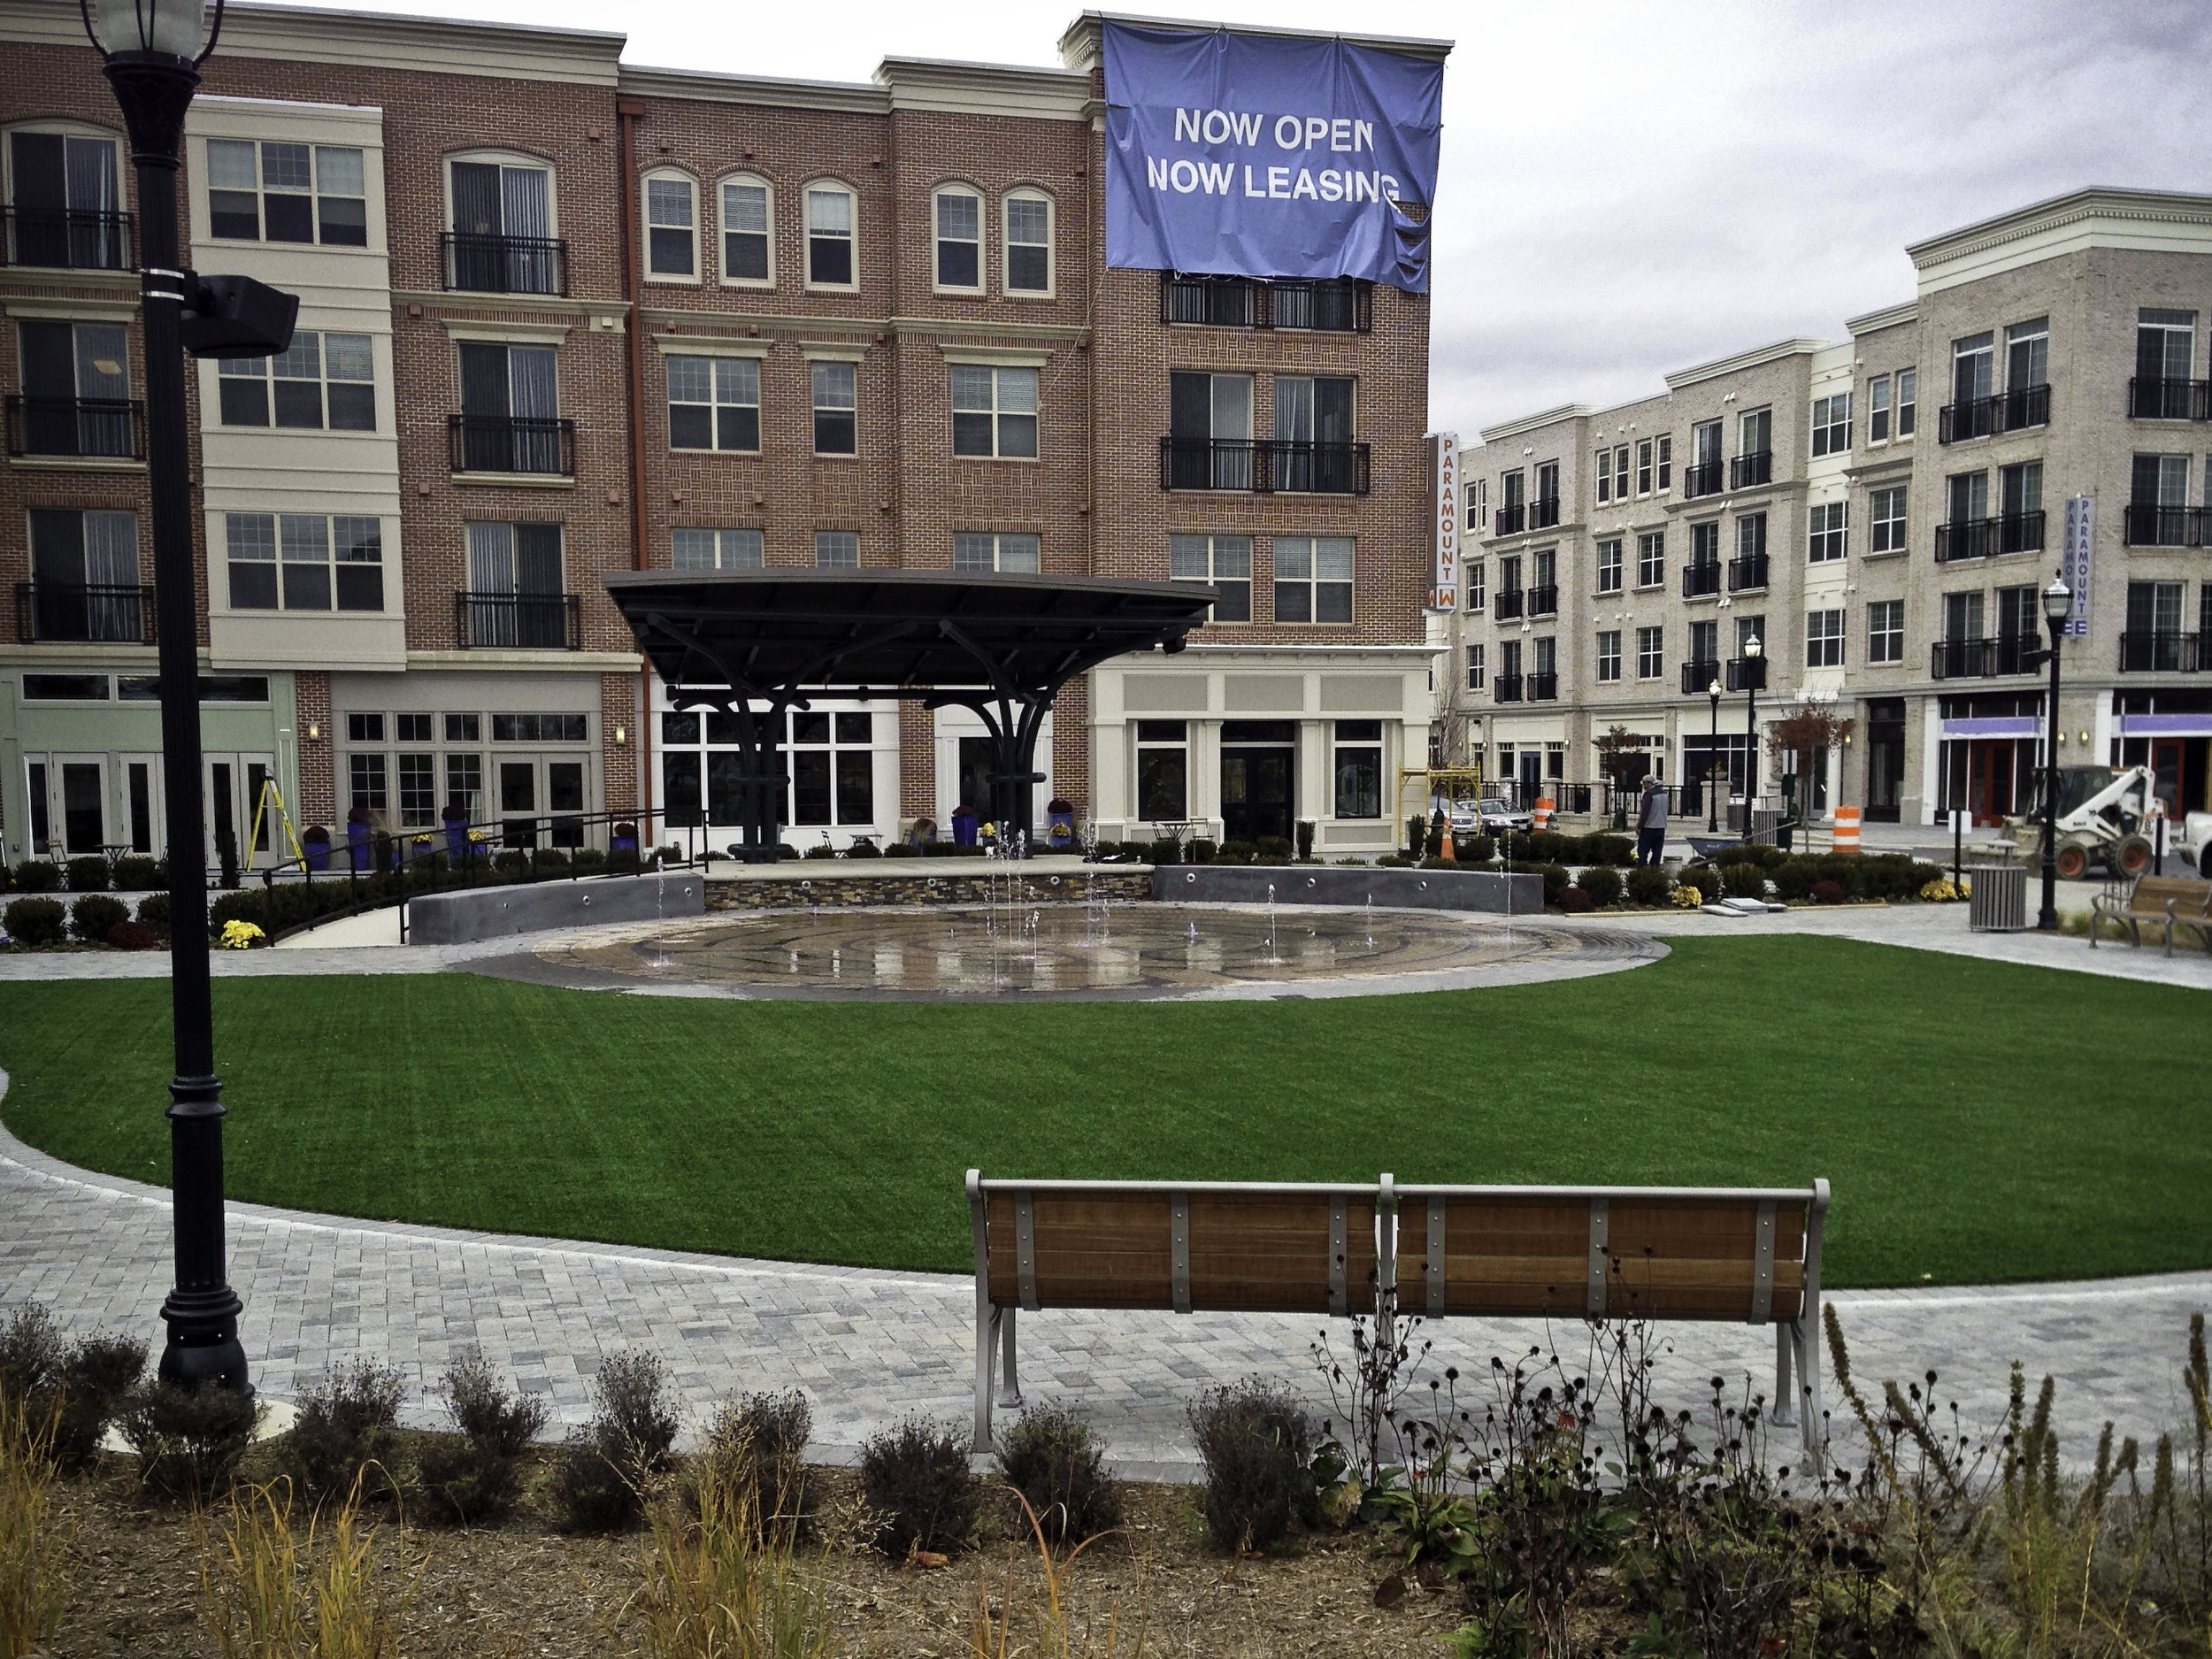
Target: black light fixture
(1712, 763)
(2058, 604)
(1754, 672)
(152, 51)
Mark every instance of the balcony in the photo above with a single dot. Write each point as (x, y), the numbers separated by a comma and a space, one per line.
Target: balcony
(1748, 673)
(1338, 305)
(1265, 466)
(1747, 574)
(2150, 399)
(78, 427)
(1510, 520)
(1543, 600)
(476, 263)
(67, 238)
(1507, 688)
(1543, 688)
(1543, 512)
(53, 613)
(1698, 581)
(1698, 675)
(1748, 471)
(1507, 603)
(2148, 525)
(520, 622)
(1701, 479)
(2007, 412)
(1983, 660)
(2163, 653)
(515, 444)
(1984, 538)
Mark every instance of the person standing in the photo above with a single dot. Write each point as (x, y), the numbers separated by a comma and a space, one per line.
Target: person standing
(1651, 823)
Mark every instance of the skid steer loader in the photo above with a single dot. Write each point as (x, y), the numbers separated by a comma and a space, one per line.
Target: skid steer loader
(2104, 823)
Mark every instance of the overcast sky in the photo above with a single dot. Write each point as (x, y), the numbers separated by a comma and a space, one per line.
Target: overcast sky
(1632, 187)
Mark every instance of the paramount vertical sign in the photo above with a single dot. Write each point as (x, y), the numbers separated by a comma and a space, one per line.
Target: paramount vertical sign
(1266, 156)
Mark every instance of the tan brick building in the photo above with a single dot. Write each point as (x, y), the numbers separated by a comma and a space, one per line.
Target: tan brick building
(562, 316)
(1879, 514)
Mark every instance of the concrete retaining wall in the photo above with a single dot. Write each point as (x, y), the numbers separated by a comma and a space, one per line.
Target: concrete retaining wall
(1297, 884)
(834, 885)
(459, 918)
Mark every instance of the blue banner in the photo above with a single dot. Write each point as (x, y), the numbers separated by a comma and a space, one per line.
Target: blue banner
(1263, 156)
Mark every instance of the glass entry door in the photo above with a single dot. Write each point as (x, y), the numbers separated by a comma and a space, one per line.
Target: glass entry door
(519, 803)
(1259, 770)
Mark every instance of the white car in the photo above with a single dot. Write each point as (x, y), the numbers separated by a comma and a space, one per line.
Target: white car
(1498, 815)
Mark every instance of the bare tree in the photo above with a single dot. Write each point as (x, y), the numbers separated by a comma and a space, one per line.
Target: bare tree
(1806, 732)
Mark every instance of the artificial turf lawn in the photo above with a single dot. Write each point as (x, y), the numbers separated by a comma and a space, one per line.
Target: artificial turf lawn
(1979, 1121)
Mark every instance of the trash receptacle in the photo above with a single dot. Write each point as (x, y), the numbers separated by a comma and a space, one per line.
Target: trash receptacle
(1998, 902)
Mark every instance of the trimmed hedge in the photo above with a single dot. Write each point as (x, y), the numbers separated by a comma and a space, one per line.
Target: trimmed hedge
(1650, 885)
(89, 874)
(91, 916)
(1603, 884)
(35, 921)
(135, 872)
(37, 875)
(1556, 877)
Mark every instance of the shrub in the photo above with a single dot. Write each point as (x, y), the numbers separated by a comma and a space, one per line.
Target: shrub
(91, 916)
(552, 861)
(1476, 850)
(1393, 861)
(97, 1376)
(755, 1452)
(35, 921)
(31, 1352)
(132, 936)
(1793, 877)
(601, 1484)
(1827, 892)
(916, 1475)
(1939, 891)
(1232, 853)
(1575, 902)
(6, 878)
(153, 913)
(1058, 1465)
(1163, 852)
(1305, 838)
(1648, 884)
(188, 1440)
(1618, 851)
(37, 875)
(863, 850)
(1538, 847)
(1603, 884)
(1556, 877)
(135, 872)
(1705, 878)
(901, 849)
(1258, 1448)
(1272, 849)
(478, 1480)
(1744, 880)
(345, 1425)
(1202, 852)
(89, 874)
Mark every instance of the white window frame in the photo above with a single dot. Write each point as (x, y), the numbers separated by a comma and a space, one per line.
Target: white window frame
(1878, 409)
(822, 545)
(721, 231)
(1308, 549)
(727, 548)
(1908, 408)
(1029, 192)
(1651, 558)
(959, 189)
(1825, 649)
(1831, 413)
(1888, 535)
(998, 413)
(807, 192)
(1895, 636)
(1477, 586)
(504, 158)
(994, 546)
(1651, 653)
(285, 552)
(1478, 666)
(1616, 569)
(664, 175)
(1609, 659)
(1238, 547)
(1827, 531)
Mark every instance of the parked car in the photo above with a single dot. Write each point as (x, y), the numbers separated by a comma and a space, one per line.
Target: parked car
(1499, 815)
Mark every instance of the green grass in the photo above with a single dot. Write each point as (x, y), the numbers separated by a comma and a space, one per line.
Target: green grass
(1979, 1121)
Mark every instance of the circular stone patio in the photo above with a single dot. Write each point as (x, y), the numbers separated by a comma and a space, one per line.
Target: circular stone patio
(1069, 951)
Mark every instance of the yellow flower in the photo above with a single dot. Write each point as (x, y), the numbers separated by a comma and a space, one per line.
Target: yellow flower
(240, 935)
(1686, 898)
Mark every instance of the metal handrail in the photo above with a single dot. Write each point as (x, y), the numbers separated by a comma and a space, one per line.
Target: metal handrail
(1264, 465)
(2151, 524)
(518, 621)
(536, 444)
(1332, 305)
(85, 427)
(2160, 398)
(2162, 651)
(1747, 472)
(1698, 481)
(1700, 577)
(1748, 573)
(114, 613)
(481, 263)
(2021, 407)
(85, 239)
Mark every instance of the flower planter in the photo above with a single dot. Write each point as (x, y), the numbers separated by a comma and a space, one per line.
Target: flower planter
(316, 845)
(357, 847)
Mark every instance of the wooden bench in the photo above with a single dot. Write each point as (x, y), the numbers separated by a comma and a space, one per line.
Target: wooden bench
(1749, 1256)
(2165, 901)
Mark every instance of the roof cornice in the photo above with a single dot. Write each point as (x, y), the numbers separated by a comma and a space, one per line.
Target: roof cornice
(2098, 202)
(1888, 317)
(1079, 44)
(1530, 423)
(1697, 373)
(928, 83)
(707, 86)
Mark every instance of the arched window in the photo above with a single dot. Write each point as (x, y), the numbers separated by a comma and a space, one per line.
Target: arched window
(956, 239)
(748, 231)
(64, 190)
(503, 226)
(672, 226)
(1029, 264)
(832, 230)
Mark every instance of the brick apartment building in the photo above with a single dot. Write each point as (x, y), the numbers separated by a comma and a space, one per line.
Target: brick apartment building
(562, 317)
(1880, 514)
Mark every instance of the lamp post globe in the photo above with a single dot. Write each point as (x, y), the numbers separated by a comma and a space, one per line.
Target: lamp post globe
(1712, 762)
(150, 51)
(2058, 604)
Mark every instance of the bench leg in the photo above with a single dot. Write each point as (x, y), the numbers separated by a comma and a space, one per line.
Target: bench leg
(1009, 1389)
(1807, 1341)
(986, 1324)
(1784, 1398)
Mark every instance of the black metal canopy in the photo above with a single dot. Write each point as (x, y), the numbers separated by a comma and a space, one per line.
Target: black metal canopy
(757, 643)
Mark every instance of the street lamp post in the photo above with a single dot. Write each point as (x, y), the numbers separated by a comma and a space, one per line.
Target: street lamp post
(2058, 603)
(1751, 666)
(1712, 763)
(151, 50)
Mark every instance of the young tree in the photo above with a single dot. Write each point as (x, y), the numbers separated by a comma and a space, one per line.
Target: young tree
(1806, 732)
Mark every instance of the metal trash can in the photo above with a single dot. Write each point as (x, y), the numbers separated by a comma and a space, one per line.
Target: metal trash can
(1998, 903)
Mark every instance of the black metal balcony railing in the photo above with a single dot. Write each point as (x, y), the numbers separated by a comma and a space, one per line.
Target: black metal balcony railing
(543, 622)
(1543, 600)
(69, 238)
(1543, 512)
(2006, 412)
(1543, 688)
(512, 443)
(1698, 675)
(2149, 525)
(1981, 659)
(1748, 673)
(1747, 573)
(1507, 688)
(1702, 479)
(1700, 579)
(1510, 520)
(2163, 653)
(477, 264)
(1748, 471)
(82, 613)
(1336, 305)
(2153, 399)
(1264, 465)
(1982, 538)
(1507, 603)
(80, 427)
